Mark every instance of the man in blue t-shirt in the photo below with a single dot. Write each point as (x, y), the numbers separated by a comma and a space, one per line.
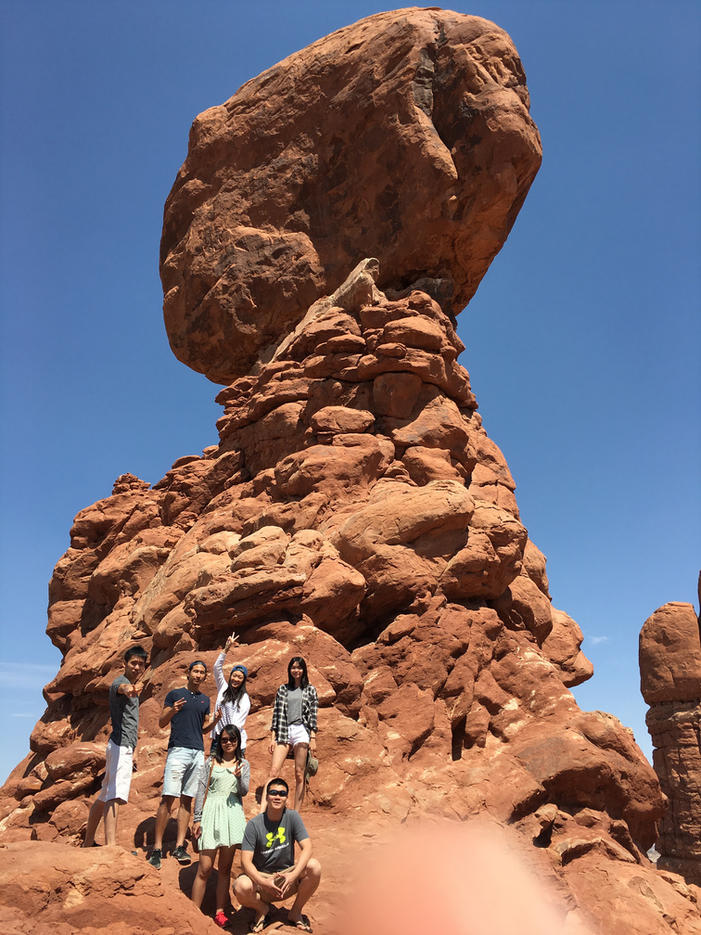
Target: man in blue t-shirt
(271, 869)
(187, 712)
(119, 756)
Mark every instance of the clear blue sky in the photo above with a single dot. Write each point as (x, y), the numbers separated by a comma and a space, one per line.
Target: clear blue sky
(582, 341)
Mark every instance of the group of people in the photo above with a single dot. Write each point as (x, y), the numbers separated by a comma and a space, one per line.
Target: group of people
(272, 869)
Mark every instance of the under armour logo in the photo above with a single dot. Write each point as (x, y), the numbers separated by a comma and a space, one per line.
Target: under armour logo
(279, 836)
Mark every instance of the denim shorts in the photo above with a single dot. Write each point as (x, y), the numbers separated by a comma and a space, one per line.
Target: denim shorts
(182, 771)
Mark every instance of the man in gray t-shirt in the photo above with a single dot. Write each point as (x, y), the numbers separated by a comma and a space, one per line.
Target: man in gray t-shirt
(119, 756)
(124, 712)
(271, 870)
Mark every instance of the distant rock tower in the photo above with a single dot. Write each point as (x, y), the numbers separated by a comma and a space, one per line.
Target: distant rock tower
(670, 680)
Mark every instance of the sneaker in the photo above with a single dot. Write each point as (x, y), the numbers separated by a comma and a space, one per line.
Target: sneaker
(221, 919)
(181, 855)
(155, 858)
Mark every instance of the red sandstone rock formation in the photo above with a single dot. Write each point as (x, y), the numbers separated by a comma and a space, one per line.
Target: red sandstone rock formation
(354, 511)
(406, 136)
(670, 680)
(56, 889)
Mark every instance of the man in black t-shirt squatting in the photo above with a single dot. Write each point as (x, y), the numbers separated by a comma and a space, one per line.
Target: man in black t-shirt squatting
(119, 756)
(187, 712)
(270, 870)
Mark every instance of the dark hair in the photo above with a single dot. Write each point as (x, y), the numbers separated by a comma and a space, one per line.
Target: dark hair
(231, 696)
(278, 782)
(197, 662)
(135, 651)
(231, 731)
(305, 677)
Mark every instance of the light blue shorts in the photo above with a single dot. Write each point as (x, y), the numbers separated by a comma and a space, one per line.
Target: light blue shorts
(182, 771)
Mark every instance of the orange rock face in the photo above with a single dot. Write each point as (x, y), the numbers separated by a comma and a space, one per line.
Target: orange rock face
(59, 890)
(670, 680)
(354, 510)
(406, 136)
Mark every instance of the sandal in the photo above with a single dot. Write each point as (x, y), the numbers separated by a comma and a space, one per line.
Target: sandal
(303, 924)
(261, 923)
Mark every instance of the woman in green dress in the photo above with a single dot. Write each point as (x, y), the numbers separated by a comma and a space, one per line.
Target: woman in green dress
(219, 821)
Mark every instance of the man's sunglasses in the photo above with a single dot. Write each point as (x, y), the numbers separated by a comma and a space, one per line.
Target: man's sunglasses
(281, 793)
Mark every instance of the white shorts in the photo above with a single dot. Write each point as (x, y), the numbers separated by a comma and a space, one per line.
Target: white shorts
(119, 766)
(297, 733)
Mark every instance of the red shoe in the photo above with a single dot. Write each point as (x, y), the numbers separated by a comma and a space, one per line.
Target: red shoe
(221, 919)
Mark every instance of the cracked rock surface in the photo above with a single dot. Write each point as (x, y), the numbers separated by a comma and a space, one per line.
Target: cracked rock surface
(406, 136)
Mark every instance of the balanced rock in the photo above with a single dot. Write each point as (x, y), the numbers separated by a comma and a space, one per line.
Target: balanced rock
(406, 136)
(354, 510)
(670, 681)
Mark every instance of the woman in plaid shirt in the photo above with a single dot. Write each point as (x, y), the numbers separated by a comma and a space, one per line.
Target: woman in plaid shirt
(293, 726)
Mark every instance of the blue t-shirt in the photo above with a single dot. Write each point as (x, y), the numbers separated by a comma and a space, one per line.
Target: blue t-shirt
(186, 725)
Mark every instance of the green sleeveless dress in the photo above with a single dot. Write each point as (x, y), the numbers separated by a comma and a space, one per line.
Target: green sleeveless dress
(223, 820)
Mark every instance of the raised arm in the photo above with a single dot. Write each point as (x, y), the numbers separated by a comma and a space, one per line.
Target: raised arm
(128, 689)
(170, 710)
(231, 641)
(211, 720)
(219, 671)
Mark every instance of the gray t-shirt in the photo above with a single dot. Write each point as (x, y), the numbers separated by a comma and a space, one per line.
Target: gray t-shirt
(273, 842)
(294, 705)
(124, 711)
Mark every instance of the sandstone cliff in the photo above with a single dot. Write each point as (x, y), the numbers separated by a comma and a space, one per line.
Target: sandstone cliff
(329, 222)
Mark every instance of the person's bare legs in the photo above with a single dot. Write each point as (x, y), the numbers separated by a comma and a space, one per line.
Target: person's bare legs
(248, 896)
(162, 816)
(308, 885)
(95, 814)
(226, 859)
(279, 756)
(300, 768)
(111, 814)
(184, 813)
(204, 868)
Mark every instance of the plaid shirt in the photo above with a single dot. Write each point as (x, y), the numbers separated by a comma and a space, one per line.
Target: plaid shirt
(310, 705)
